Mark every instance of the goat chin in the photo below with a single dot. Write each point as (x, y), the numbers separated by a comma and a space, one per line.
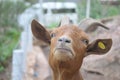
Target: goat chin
(63, 55)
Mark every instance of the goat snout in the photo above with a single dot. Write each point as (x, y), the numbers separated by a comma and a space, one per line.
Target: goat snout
(64, 39)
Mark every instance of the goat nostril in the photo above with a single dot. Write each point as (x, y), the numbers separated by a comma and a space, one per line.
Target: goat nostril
(60, 40)
(67, 41)
(64, 40)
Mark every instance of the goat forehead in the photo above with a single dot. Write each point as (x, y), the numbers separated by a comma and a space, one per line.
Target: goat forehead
(71, 30)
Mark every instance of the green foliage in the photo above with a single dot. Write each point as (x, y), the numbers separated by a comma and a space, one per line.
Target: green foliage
(9, 38)
(2, 68)
(81, 8)
(9, 11)
(53, 25)
(32, 1)
(9, 30)
(112, 10)
(97, 10)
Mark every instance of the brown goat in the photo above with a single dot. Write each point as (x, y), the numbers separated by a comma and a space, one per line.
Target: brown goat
(68, 46)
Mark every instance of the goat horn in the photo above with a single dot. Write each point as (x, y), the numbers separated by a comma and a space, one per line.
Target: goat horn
(89, 24)
(65, 20)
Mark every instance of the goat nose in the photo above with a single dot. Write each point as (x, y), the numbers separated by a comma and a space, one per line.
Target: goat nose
(64, 40)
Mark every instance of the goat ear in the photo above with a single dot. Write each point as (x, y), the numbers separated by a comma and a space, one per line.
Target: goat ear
(40, 32)
(99, 46)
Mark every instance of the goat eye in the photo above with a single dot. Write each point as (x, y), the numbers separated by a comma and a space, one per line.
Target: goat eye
(85, 41)
(53, 35)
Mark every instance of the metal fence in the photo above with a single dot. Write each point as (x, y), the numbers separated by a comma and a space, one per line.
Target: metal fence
(19, 55)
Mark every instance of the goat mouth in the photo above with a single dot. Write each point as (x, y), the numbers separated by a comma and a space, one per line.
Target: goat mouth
(64, 50)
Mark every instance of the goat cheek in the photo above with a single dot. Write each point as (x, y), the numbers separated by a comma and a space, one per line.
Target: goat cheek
(79, 49)
(53, 45)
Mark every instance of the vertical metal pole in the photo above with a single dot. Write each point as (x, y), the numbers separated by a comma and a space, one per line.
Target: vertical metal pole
(88, 8)
(23, 58)
(41, 17)
(16, 65)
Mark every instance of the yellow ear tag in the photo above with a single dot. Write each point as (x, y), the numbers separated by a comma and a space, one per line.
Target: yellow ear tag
(101, 45)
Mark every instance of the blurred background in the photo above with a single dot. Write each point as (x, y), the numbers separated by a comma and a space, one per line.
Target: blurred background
(16, 37)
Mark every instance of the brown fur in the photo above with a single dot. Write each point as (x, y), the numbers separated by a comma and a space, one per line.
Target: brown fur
(70, 67)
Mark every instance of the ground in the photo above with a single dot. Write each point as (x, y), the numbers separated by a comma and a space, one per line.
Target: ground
(6, 75)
